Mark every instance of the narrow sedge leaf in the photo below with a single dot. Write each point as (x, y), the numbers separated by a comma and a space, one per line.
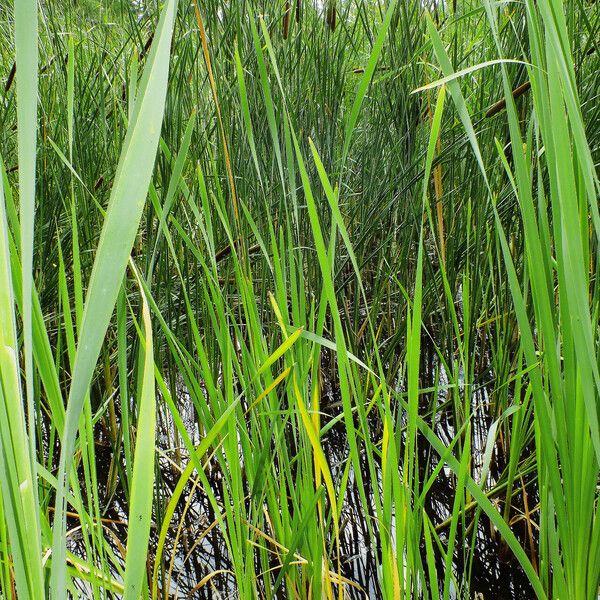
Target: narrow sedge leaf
(142, 486)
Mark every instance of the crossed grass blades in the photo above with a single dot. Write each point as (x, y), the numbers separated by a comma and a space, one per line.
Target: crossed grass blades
(299, 299)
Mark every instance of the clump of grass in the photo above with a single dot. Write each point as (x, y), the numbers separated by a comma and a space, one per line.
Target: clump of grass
(299, 300)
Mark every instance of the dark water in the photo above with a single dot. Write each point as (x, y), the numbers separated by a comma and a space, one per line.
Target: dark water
(489, 572)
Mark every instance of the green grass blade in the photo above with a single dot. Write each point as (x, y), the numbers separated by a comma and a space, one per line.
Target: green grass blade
(118, 233)
(17, 473)
(26, 48)
(142, 484)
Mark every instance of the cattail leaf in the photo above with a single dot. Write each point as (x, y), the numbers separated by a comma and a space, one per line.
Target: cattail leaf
(121, 223)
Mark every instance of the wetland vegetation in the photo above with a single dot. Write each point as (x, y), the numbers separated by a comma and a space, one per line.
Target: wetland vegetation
(299, 299)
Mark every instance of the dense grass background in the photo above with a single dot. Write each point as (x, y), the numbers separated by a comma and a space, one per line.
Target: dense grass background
(299, 299)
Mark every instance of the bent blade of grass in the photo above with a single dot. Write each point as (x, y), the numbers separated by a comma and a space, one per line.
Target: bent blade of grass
(326, 343)
(142, 485)
(332, 198)
(279, 351)
(118, 233)
(462, 72)
(457, 95)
